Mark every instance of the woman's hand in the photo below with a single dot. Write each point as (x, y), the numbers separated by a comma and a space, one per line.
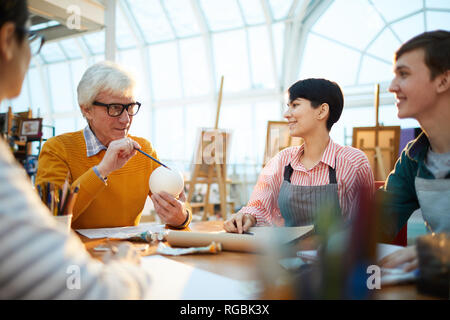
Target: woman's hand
(117, 155)
(407, 256)
(239, 223)
(170, 210)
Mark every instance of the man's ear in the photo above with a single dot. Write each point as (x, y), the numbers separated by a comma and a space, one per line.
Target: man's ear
(86, 111)
(7, 40)
(443, 82)
(324, 110)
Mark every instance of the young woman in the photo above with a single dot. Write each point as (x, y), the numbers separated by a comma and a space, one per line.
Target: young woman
(299, 181)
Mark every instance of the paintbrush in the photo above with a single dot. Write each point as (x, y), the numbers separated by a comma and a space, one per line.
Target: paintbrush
(145, 154)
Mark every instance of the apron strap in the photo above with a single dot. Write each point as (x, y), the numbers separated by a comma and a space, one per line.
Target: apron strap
(332, 174)
(288, 170)
(288, 173)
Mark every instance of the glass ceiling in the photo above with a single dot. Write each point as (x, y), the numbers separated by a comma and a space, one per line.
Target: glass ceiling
(179, 49)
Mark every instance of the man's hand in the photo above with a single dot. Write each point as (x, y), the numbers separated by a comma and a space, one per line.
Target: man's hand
(170, 210)
(239, 223)
(117, 155)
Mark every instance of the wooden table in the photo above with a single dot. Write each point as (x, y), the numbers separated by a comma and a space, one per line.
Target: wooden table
(244, 266)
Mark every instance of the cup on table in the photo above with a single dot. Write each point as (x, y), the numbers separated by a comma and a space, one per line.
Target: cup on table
(65, 221)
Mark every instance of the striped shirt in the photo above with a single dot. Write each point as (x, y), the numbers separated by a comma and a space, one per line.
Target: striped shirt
(352, 171)
(38, 260)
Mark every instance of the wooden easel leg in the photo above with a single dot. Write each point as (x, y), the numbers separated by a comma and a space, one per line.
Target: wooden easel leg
(380, 162)
(192, 184)
(222, 191)
(208, 189)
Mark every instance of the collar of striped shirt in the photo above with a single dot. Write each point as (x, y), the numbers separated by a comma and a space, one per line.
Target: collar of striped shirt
(328, 156)
(93, 145)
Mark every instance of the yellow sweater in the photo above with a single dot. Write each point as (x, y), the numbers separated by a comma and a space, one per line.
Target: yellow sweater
(116, 203)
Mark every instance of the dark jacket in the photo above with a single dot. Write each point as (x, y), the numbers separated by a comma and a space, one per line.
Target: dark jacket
(398, 196)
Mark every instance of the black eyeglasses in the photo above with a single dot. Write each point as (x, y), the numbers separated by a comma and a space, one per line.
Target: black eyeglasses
(35, 40)
(116, 109)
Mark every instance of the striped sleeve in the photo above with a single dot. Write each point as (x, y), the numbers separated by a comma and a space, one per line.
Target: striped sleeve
(40, 261)
(263, 202)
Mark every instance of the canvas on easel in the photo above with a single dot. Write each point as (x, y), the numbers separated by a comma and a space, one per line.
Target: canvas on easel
(278, 138)
(380, 146)
(210, 165)
(379, 143)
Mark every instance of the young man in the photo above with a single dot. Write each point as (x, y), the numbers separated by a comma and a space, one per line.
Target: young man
(421, 177)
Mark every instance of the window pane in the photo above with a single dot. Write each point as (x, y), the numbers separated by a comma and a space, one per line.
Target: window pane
(152, 20)
(264, 112)
(242, 143)
(408, 28)
(444, 4)
(222, 15)
(260, 58)
(438, 20)
(374, 71)
(38, 89)
(253, 12)
(392, 10)
(51, 52)
(95, 42)
(385, 45)
(182, 17)
(131, 61)
(359, 28)
(167, 136)
(231, 57)
(194, 67)
(326, 59)
(124, 36)
(278, 39)
(280, 8)
(61, 91)
(165, 71)
(198, 116)
(70, 48)
(22, 102)
(64, 125)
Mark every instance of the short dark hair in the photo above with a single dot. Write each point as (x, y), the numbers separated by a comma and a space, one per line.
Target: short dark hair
(436, 45)
(15, 11)
(320, 91)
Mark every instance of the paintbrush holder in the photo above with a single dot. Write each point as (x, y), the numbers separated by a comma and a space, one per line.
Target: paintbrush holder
(64, 221)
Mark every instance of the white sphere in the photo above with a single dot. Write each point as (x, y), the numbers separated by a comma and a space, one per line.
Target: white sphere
(167, 180)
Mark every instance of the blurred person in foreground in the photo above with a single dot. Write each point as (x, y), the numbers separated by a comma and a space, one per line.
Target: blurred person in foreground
(38, 258)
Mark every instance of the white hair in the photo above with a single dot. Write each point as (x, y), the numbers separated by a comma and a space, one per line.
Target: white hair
(104, 76)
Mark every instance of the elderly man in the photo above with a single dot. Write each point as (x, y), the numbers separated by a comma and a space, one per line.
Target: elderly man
(102, 158)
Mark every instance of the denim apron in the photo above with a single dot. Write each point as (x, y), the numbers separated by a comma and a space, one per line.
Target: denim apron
(299, 205)
(434, 201)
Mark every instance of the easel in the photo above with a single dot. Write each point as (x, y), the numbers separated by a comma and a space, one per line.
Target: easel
(379, 143)
(278, 138)
(214, 168)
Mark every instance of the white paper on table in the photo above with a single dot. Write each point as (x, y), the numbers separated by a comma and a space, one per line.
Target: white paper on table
(121, 232)
(172, 280)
